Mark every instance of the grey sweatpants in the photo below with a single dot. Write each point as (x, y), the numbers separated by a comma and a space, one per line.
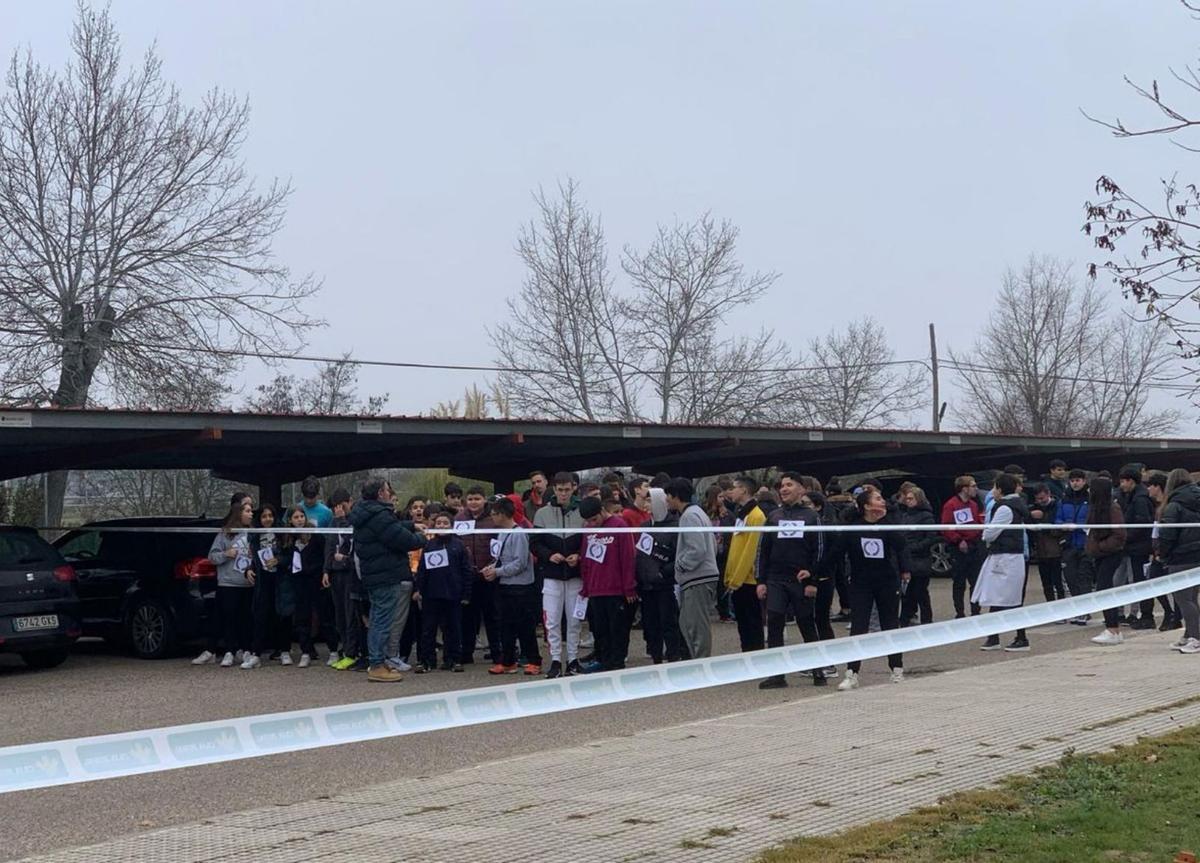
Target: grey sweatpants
(401, 618)
(695, 603)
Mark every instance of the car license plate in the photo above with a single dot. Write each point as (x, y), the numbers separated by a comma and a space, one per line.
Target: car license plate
(41, 621)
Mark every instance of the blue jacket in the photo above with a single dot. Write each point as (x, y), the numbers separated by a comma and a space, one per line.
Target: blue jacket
(1073, 509)
(445, 571)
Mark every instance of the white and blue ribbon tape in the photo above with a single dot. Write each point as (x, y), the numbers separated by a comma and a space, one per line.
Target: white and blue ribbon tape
(86, 759)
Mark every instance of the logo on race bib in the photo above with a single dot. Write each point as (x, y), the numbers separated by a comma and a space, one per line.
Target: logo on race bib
(494, 546)
(437, 559)
(645, 543)
(464, 526)
(962, 516)
(791, 530)
(597, 551)
(243, 564)
(872, 549)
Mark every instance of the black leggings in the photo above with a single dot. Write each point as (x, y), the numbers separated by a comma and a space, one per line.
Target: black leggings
(916, 599)
(825, 592)
(272, 631)
(882, 594)
(785, 596)
(1106, 568)
(235, 611)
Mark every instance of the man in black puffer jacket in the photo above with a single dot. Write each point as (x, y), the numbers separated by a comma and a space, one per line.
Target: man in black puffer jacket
(1179, 549)
(1138, 509)
(381, 546)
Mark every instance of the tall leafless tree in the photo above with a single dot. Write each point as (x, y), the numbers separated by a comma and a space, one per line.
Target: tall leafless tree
(565, 331)
(131, 235)
(1051, 362)
(1151, 241)
(850, 378)
(684, 285)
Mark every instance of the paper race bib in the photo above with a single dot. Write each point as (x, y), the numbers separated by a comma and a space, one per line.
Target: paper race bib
(872, 549)
(791, 529)
(494, 547)
(645, 544)
(464, 526)
(580, 610)
(266, 555)
(243, 564)
(296, 564)
(963, 516)
(597, 551)
(437, 559)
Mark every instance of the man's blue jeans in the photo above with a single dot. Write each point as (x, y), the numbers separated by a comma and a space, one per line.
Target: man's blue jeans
(384, 600)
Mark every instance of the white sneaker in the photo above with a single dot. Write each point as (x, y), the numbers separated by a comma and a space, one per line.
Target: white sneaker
(399, 664)
(205, 658)
(831, 671)
(1183, 639)
(285, 659)
(227, 660)
(334, 658)
(239, 656)
(305, 661)
(1108, 637)
(251, 661)
(897, 675)
(850, 682)
(1192, 646)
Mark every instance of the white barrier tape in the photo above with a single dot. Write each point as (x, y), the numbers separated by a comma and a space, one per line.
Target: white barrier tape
(560, 531)
(86, 759)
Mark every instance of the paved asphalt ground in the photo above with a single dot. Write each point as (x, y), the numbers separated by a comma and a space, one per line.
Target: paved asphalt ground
(101, 691)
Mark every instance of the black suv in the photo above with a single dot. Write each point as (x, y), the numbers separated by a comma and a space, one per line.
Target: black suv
(149, 590)
(39, 612)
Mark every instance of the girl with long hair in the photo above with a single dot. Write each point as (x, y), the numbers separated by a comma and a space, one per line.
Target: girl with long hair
(1105, 547)
(230, 553)
(1179, 549)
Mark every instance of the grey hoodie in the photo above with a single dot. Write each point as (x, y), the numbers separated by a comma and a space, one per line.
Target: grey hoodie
(514, 566)
(696, 552)
(231, 573)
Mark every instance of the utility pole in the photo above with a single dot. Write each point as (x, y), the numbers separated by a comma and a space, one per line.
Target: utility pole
(933, 367)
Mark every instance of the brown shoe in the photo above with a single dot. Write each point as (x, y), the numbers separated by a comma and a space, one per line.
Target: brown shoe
(383, 674)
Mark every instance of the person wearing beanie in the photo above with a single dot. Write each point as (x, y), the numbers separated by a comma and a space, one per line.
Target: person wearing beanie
(655, 570)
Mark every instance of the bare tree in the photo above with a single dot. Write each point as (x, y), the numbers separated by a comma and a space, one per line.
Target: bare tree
(1160, 268)
(1050, 362)
(684, 285)
(130, 234)
(332, 391)
(565, 332)
(851, 379)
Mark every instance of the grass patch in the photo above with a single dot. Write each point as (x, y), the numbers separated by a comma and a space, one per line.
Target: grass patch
(1149, 711)
(1139, 802)
(694, 844)
(720, 832)
(916, 777)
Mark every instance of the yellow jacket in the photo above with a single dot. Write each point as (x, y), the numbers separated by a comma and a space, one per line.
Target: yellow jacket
(743, 549)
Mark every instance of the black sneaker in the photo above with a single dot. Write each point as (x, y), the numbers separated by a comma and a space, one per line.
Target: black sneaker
(840, 617)
(456, 667)
(993, 643)
(573, 668)
(555, 670)
(1018, 645)
(361, 665)
(1176, 622)
(776, 682)
(1165, 626)
(422, 668)
(448, 665)
(1143, 623)
(819, 678)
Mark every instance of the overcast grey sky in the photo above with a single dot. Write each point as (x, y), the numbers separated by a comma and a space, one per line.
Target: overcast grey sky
(885, 158)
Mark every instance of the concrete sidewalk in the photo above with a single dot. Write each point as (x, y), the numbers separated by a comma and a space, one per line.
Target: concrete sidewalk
(725, 788)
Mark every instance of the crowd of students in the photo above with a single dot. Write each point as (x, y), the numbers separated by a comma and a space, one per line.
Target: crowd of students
(429, 576)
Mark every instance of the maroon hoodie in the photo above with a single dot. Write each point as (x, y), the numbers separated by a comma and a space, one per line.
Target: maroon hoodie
(606, 562)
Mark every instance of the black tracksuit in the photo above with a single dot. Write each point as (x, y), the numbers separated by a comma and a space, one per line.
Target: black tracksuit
(781, 557)
(444, 581)
(654, 569)
(876, 560)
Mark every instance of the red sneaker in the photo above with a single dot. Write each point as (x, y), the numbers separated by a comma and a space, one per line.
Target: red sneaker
(501, 668)
(533, 670)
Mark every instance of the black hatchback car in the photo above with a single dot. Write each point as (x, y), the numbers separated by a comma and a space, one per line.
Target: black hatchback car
(39, 612)
(144, 587)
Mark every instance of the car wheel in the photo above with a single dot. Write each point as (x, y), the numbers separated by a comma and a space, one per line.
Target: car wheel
(149, 630)
(49, 658)
(941, 558)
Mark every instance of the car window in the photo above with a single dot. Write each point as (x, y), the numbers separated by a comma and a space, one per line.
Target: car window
(25, 549)
(83, 545)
